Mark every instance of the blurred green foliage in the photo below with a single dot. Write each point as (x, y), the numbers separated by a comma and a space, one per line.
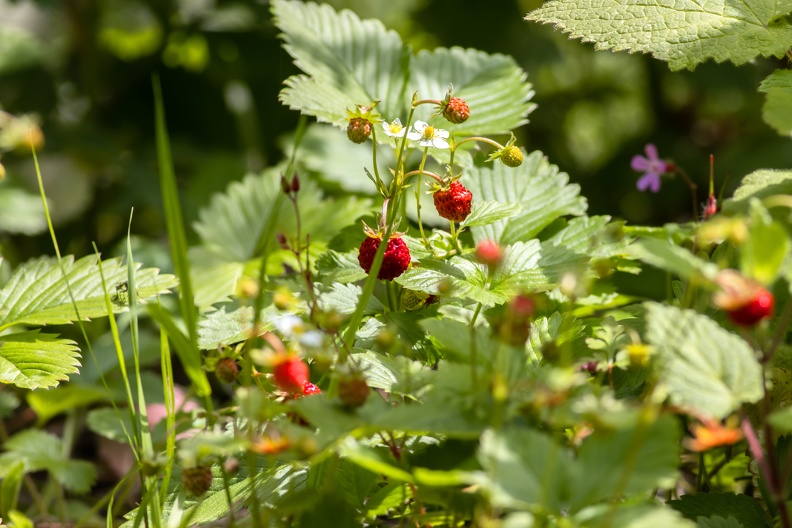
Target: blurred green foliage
(84, 68)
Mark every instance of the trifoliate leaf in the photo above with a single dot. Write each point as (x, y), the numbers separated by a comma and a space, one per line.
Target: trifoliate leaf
(347, 61)
(759, 184)
(39, 294)
(777, 110)
(31, 360)
(683, 33)
(493, 86)
(543, 192)
(704, 367)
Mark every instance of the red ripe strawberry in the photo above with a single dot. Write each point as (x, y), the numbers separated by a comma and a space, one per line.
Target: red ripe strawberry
(395, 261)
(760, 306)
(512, 156)
(456, 110)
(309, 389)
(197, 480)
(291, 374)
(227, 370)
(453, 203)
(353, 391)
(358, 130)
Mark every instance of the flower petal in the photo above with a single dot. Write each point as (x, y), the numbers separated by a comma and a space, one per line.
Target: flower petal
(639, 163)
(440, 133)
(440, 143)
(420, 126)
(651, 151)
(650, 180)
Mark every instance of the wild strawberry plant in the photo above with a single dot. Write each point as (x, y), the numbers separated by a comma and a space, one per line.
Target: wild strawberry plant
(414, 321)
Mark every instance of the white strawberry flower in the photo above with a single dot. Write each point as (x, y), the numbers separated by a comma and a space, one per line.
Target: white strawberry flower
(394, 129)
(428, 136)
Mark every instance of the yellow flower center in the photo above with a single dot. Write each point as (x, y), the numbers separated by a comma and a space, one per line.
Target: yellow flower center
(395, 128)
(429, 132)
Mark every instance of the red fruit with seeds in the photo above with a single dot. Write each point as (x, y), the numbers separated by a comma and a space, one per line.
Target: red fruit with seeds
(489, 253)
(395, 261)
(453, 203)
(358, 129)
(353, 391)
(309, 389)
(197, 480)
(227, 370)
(456, 110)
(291, 375)
(760, 306)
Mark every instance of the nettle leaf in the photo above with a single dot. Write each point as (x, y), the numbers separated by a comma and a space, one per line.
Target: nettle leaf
(38, 293)
(526, 266)
(31, 360)
(540, 188)
(777, 109)
(493, 86)
(43, 451)
(347, 61)
(759, 184)
(683, 33)
(704, 366)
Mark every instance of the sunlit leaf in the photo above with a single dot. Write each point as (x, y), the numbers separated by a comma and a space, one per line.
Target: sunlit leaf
(31, 360)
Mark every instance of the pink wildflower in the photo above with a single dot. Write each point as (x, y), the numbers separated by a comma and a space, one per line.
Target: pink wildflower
(652, 167)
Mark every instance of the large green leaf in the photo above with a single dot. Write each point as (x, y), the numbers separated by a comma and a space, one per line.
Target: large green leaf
(759, 184)
(31, 360)
(493, 86)
(226, 328)
(346, 61)
(670, 257)
(777, 110)
(684, 33)
(38, 293)
(540, 188)
(704, 366)
(43, 451)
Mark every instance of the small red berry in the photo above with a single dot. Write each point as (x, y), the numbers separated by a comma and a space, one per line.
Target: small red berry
(489, 253)
(358, 130)
(456, 110)
(227, 370)
(759, 307)
(309, 389)
(353, 391)
(291, 375)
(395, 261)
(197, 480)
(453, 203)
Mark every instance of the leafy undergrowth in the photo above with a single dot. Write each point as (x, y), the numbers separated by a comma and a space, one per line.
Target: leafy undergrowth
(504, 372)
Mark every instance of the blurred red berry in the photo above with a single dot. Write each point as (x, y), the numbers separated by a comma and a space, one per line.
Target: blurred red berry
(291, 375)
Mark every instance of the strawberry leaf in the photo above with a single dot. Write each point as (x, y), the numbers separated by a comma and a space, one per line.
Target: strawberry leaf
(704, 366)
(38, 293)
(684, 34)
(759, 184)
(31, 360)
(777, 110)
(540, 188)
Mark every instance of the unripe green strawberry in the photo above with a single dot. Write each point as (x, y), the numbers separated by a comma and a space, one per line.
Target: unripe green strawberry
(512, 156)
(395, 261)
(456, 110)
(358, 130)
(453, 203)
(291, 374)
(197, 480)
(353, 391)
(227, 370)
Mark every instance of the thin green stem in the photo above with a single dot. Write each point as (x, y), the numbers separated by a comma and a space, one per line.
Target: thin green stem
(488, 141)
(427, 173)
(418, 196)
(380, 185)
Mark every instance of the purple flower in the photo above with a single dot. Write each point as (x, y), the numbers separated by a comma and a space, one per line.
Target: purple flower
(652, 167)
